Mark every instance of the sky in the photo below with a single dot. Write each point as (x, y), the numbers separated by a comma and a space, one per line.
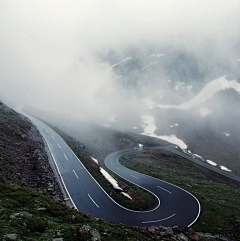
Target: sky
(52, 51)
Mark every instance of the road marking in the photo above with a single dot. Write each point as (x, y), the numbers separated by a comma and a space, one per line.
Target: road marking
(159, 219)
(47, 131)
(134, 176)
(76, 174)
(65, 156)
(53, 137)
(164, 189)
(119, 169)
(93, 200)
(58, 145)
(59, 173)
(113, 200)
(104, 190)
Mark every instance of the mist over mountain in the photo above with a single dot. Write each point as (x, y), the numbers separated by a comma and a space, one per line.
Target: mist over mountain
(164, 69)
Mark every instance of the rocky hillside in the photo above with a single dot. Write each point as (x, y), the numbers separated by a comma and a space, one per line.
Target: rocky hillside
(28, 194)
(23, 156)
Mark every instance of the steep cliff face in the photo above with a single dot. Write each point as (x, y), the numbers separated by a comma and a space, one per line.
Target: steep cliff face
(22, 154)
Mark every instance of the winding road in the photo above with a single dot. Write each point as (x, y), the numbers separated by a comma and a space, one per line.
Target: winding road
(175, 205)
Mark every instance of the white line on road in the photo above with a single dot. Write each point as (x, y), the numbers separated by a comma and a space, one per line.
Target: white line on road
(65, 156)
(53, 137)
(76, 174)
(106, 192)
(164, 189)
(119, 169)
(93, 200)
(58, 145)
(61, 175)
(134, 176)
(159, 219)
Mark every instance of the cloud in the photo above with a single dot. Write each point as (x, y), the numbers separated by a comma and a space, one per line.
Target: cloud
(51, 51)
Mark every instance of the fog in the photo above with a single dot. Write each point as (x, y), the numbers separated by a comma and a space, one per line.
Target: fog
(91, 60)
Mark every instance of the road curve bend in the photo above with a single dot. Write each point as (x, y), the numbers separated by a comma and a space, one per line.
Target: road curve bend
(175, 205)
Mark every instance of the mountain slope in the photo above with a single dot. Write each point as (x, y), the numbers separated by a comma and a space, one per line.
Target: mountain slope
(28, 188)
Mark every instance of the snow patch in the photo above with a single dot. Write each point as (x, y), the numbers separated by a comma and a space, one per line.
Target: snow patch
(150, 64)
(135, 128)
(176, 124)
(118, 77)
(196, 156)
(207, 92)
(140, 145)
(110, 178)
(128, 58)
(226, 134)
(178, 85)
(189, 87)
(173, 139)
(126, 195)
(160, 55)
(95, 160)
(150, 127)
(204, 112)
(225, 168)
(211, 163)
(105, 52)
(105, 125)
(238, 59)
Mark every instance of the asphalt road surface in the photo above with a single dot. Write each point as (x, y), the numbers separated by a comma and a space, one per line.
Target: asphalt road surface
(175, 205)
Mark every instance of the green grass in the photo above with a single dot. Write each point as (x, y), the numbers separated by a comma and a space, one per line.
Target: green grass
(218, 195)
(56, 221)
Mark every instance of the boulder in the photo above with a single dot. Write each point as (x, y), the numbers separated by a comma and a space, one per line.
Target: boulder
(194, 237)
(95, 234)
(12, 236)
(182, 237)
(176, 229)
(2, 210)
(41, 209)
(161, 228)
(151, 229)
(169, 231)
(206, 235)
(19, 215)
